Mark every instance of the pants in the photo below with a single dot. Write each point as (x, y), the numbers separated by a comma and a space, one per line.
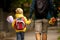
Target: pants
(41, 25)
(20, 35)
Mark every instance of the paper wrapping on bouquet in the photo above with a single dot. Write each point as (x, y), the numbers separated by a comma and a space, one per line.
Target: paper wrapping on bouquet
(10, 19)
(52, 21)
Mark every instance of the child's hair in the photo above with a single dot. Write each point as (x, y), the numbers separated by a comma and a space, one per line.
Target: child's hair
(20, 10)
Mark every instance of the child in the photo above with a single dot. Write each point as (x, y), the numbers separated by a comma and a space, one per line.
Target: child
(20, 33)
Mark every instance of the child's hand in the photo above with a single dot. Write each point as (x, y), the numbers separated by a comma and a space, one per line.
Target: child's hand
(29, 21)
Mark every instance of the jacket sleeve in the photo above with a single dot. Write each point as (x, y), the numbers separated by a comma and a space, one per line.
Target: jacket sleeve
(52, 9)
(13, 24)
(32, 8)
(27, 21)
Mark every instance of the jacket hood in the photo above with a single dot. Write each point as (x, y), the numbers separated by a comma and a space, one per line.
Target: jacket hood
(18, 15)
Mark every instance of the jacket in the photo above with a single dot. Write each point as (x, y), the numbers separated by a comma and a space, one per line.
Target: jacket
(26, 21)
(49, 12)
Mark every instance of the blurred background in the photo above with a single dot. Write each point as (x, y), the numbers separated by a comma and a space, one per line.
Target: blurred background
(7, 7)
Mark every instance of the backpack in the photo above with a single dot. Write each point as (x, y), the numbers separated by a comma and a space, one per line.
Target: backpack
(20, 23)
(41, 7)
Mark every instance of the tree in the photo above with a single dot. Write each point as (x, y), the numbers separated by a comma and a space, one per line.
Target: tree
(24, 4)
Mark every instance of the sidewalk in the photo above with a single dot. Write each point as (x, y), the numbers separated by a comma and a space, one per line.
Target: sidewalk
(52, 35)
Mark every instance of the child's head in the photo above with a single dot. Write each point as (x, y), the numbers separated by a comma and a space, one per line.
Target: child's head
(19, 10)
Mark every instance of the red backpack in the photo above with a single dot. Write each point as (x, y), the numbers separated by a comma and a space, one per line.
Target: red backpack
(20, 23)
